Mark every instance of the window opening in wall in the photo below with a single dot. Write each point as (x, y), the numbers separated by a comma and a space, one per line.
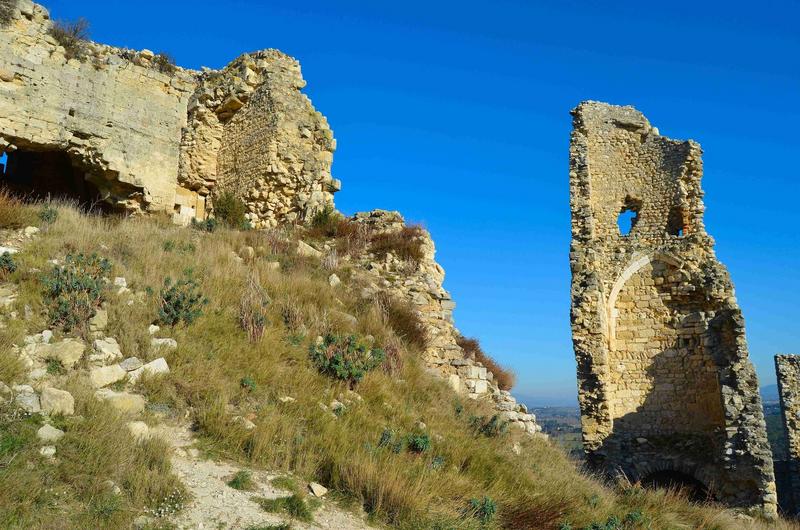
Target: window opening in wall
(628, 216)
(676, 222)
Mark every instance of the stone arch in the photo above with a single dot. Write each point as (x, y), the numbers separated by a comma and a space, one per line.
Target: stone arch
(660, 377)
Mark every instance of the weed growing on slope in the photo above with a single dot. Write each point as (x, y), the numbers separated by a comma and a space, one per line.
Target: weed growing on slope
(7, 265)
(76, 289)
(296, 506)
(345, 357)
(181, 301)
(230, 210)
(242, 480)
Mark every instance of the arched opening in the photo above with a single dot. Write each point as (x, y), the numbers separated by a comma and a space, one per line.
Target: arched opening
(675, 480)
(628, 215)
(43, 174)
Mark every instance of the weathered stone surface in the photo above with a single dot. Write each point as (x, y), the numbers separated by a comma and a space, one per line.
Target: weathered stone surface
(787, 368)
(68, 352)
(130, 364)
(26, 399)
(166, 343)
(49, 434)
(153, 141)
(54, 401)
(158, 366)
(106, 375)
(106, 350)
(124, 402)
(658, 336)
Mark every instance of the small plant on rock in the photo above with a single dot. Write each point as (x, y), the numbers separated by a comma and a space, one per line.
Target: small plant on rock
(345, 357)
(76, 289)
(72, 35)
(7, 265)
(181, 301)
(164, 63)
(491, 428)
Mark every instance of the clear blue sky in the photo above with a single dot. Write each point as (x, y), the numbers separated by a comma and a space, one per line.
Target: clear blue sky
(457, 114)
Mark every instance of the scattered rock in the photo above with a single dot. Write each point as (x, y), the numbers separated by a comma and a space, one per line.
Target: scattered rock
(124, 402)
(120, 282)
(48, 451)
(99, 321)
(247, 253)
(106, 375)
(169, 344)
(334, 280)
(26, 399)
(68, 352)
(153, 329)
(112, 487)
(49, 434)
(130, 364)
(106, 350)
(139, 430)
(159, 366)
(287, 399)
(318, 490)
(244, 422)
(37, 374)
(306, 250)
(55, 401)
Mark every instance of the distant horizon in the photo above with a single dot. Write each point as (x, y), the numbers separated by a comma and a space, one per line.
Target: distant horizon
(458, 117)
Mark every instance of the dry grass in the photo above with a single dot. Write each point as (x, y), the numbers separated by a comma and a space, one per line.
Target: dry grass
(538, 489)
(14, 213)
(472, 347)
(405, 243)
(73, 35)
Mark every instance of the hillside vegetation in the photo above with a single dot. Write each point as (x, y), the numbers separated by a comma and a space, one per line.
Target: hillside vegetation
(278, 370)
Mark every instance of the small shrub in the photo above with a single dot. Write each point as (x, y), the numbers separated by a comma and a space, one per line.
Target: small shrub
(181, 301)
(248, 383)
(483, 509)
(164, 63)
(229, 209)
(437, 462)
(345, 358)
(253, 309)
(7, 10)
(296, 506)
(7, 265)
(351, 238)
(48, 214)
(472, 348)
(209, 225)
(405, 244)
(419, 443)
(76, 290)
(491, 428)
(72, 35)
(242, 480)
(54, 367)
(286, 483)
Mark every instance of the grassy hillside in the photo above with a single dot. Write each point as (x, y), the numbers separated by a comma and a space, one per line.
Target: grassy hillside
(399, 443)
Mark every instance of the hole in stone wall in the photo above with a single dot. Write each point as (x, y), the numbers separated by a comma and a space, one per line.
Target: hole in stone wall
(628, 216)
(46, 174)
(3, 162)
(676, 222)
(675, 480)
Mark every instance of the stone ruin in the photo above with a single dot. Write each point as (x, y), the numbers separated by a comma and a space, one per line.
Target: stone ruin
(667, 393)
(787, 368)
(115, 130)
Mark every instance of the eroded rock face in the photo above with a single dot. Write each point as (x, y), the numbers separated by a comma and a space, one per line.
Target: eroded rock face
(787, 368)
(666, 389)
(113, 127)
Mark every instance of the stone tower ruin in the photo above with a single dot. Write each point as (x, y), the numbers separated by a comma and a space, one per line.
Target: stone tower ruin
(787, 368)
(667, 392)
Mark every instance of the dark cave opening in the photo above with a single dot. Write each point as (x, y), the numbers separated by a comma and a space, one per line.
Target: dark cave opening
(675, 480)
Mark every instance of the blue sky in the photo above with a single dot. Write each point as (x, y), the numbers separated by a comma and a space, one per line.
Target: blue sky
(457, 114)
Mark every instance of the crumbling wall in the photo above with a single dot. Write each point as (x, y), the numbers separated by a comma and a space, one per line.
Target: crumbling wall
(787, 368)
(251, 131)
(665, 384)
(117, 118)
(422, 285)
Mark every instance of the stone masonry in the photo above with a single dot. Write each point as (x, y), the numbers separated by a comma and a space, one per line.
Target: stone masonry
(422, 286)
(666, 388)
(787, 368)
(137, 139)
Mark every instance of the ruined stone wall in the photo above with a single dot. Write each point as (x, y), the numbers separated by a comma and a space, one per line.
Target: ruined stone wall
(422, 285)
(118, 118)
(664, 379)
(787, 368)
(254, 133)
